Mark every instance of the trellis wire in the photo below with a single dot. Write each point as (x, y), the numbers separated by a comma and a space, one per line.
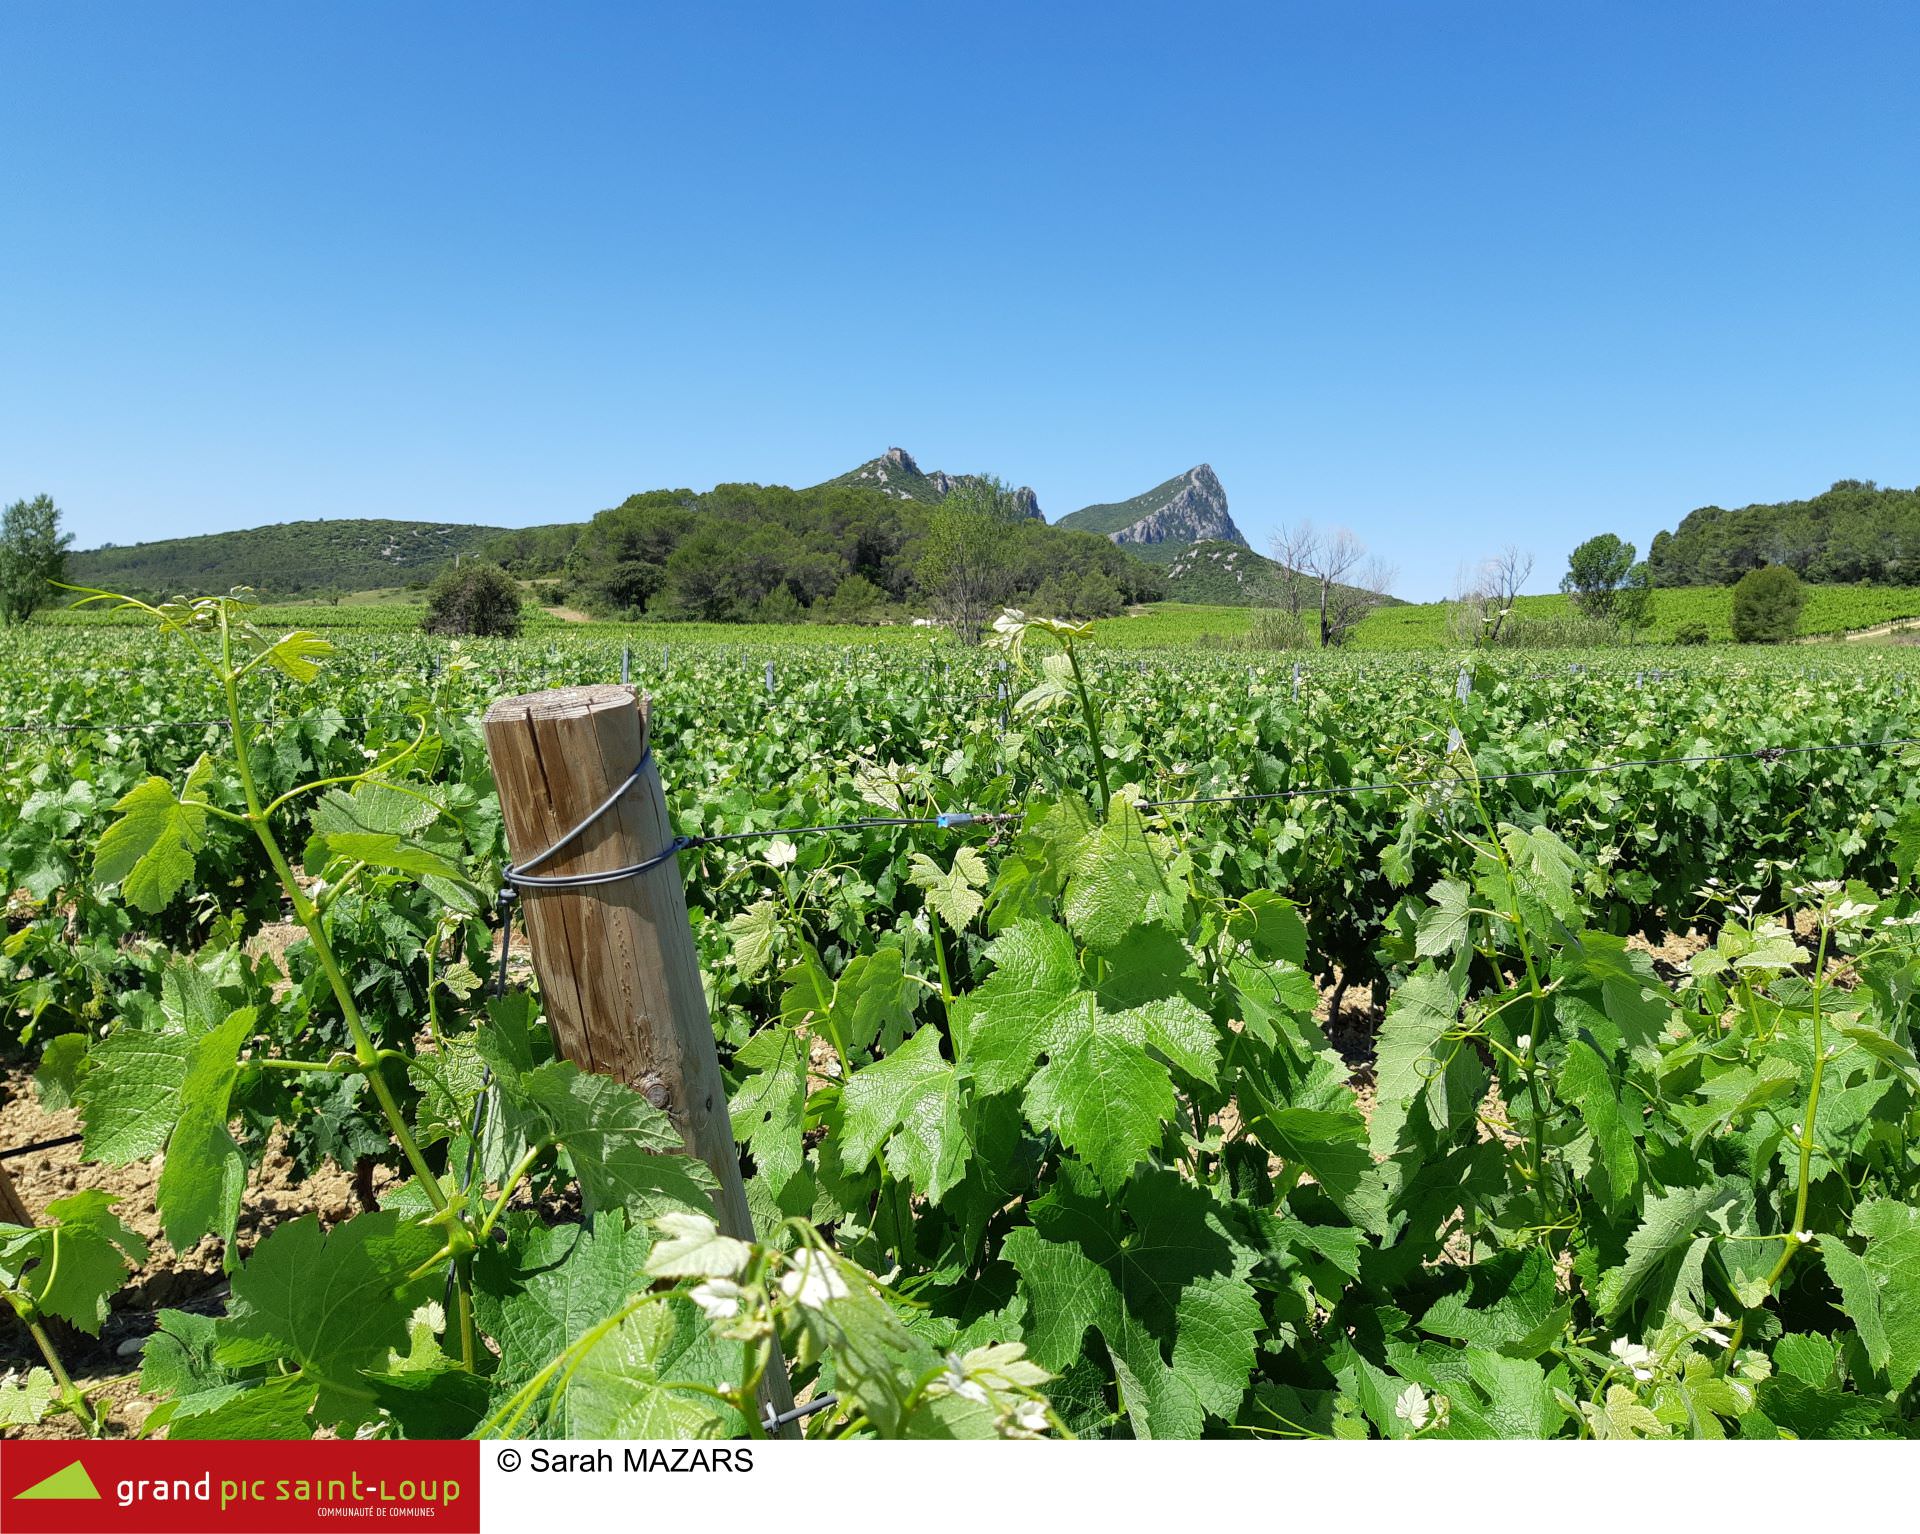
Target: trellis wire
(9, 1152)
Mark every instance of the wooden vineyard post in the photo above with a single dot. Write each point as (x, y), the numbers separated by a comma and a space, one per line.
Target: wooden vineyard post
(13, 1209)
(619, 974)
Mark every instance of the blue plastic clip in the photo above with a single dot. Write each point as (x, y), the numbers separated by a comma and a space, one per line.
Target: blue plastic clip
(957, 819)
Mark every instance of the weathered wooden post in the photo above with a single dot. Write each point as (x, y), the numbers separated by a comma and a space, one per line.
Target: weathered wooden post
(13, 1208)
(619, 975)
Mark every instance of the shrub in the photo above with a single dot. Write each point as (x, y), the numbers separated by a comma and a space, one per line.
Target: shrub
(1766, 605)
(780, 605)
(1276, 629)
(474, 599)
(855, 600)
(1568, 629)
(1692, 632)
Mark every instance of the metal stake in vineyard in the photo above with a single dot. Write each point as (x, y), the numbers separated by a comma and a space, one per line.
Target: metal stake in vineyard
(619, 973)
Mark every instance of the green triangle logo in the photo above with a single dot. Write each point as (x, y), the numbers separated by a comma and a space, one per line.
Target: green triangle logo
(71, 1485)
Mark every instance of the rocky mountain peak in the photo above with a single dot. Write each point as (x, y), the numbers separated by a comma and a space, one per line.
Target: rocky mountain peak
(894, 473)
(1187, 509)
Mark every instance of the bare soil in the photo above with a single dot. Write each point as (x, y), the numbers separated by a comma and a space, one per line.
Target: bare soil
(108, 1365)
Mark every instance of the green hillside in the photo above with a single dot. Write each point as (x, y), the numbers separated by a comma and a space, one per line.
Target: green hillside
(1220, 574)
(285, 559)
(1854, 531)
(1112, 516)
(1162, 554)
(1828, 610)
(1214, 572)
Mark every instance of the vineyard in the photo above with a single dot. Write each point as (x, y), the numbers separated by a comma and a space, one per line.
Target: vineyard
(1122, 1040)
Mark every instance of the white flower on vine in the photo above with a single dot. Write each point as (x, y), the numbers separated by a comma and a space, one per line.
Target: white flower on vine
(782, 853)
(956, 1379)
(1850, 910)
(1027, 1420)
(1827, 886)
(1523, 1045)
(813, 1280)
(1636, 1357)
(1010, 621)
(718, 1297)
(1804, 1237)
(1411, 1407)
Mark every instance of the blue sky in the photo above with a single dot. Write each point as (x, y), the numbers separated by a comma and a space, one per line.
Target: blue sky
(1450, 275)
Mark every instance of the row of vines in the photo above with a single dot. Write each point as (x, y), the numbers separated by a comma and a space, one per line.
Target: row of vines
(1043, 1132)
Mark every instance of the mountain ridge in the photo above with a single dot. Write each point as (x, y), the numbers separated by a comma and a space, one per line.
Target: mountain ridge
(896, 475)
(318, 554)
(326, 556)
(1157, 524)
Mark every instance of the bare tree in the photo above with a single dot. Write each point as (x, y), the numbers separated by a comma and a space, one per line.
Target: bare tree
(1343, 603)
(1487, 592)
(1327, 579)
(1295, 547)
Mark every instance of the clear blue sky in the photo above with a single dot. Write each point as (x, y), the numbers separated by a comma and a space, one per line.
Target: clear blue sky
(1452, 275)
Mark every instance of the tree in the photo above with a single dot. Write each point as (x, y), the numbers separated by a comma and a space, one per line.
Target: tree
(1488, 592)
(33, 555)
(477, 599)
(1595, 573)
(1293, 547)
(1766, 605)
(1330, 577)
(1633, 601)
(854, 600)
(964, 566)
(628, 586)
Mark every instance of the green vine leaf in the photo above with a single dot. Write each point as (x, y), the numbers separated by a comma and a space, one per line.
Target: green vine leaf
(1122, 881)
(1587, 1085)
(149, 851)
(205, 1174)
(25, 1401)
(915, 1104)
(1443, 925)
(1421, 1013)
(331, 1303)
(625, 1151)
(1164, 1281)
(298, 655)
(953, 894)
(70, 1263)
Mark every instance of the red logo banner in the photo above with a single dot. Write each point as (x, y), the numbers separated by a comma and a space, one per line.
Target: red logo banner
(238, 1487)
